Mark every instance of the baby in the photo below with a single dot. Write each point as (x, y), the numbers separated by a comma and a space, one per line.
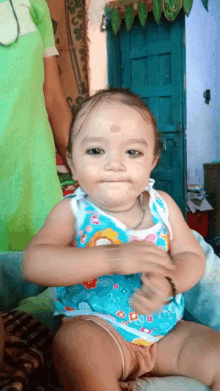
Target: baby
(120, 254)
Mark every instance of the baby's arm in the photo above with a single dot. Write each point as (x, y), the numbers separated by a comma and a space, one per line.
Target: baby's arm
(186, 253)
(50, 258)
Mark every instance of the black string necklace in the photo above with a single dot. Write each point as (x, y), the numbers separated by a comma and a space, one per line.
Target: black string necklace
(18, 27)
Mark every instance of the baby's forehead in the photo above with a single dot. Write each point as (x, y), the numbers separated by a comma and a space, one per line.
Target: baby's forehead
(116, 106)
(93, 108)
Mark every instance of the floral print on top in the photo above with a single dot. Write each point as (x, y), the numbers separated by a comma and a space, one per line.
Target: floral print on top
(109, 296)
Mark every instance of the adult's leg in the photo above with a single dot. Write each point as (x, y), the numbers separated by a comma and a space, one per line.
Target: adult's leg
(86, 357)
(190, 350)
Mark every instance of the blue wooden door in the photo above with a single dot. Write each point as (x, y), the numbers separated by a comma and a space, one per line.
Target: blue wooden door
(151, 62)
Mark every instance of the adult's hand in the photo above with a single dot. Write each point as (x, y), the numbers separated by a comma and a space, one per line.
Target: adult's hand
(58, 110)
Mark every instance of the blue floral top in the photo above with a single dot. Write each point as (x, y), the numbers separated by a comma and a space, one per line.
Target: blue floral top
(109, 296)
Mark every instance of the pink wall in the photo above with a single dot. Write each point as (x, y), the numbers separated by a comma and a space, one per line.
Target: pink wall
(97, 46)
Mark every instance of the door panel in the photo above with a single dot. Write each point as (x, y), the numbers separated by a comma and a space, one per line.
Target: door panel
(151, 62)
(151, 66)
(169, 171)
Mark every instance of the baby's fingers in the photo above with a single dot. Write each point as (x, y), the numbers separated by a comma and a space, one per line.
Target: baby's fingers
(158, 257)
(142, 305)
(149, 290)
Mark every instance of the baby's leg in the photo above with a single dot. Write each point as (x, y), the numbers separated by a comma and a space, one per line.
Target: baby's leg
(190, 350)
(86, 357)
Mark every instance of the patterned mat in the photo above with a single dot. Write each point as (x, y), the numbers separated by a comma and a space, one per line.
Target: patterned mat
(27, 364)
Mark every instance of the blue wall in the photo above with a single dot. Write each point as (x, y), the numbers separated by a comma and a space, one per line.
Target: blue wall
(202, 72)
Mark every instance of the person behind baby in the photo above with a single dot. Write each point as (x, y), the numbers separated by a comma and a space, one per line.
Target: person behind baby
(119, 287)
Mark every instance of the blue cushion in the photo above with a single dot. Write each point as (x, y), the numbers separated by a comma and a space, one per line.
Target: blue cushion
(169, 383)
(13, 287)
(202, 302)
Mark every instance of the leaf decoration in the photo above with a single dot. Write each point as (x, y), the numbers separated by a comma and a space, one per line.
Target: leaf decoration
(187, 6)
(115, 20)
(129, 17)
(171, 8)
(205, 3)
(142, 13)
(157, 10)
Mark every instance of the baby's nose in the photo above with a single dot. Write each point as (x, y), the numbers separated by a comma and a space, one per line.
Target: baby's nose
(115, 162)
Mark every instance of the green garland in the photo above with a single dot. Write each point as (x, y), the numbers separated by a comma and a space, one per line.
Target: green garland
(170, 8)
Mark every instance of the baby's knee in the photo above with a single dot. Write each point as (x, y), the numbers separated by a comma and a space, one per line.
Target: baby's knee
(71, 334)
(200, 354)
(215, 353)
(80, 341)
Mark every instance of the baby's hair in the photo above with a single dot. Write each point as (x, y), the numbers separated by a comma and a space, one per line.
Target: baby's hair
(126, 97)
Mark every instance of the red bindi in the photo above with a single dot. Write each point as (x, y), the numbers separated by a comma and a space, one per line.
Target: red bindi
(115, 128)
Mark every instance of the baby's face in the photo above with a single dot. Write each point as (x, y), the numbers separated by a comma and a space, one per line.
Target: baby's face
(113, 155)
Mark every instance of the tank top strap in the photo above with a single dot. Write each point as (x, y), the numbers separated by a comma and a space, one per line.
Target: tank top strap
(160, 204)
(78, 195)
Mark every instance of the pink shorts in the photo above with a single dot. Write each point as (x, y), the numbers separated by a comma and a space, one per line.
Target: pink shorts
(136, 360)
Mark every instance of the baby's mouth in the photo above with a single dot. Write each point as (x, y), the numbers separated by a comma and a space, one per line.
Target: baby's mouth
(114, 181)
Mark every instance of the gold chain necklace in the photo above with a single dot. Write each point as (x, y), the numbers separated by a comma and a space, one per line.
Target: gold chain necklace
(143, 211)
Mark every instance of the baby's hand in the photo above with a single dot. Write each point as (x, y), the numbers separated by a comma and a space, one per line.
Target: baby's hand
(140, 257)
(153, 294)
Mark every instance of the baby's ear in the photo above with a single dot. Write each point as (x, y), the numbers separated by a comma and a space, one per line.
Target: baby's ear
(155, 161)
(71, 165)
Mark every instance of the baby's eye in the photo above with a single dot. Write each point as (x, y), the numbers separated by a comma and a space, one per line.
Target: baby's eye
(134, 152)
(94, 151)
